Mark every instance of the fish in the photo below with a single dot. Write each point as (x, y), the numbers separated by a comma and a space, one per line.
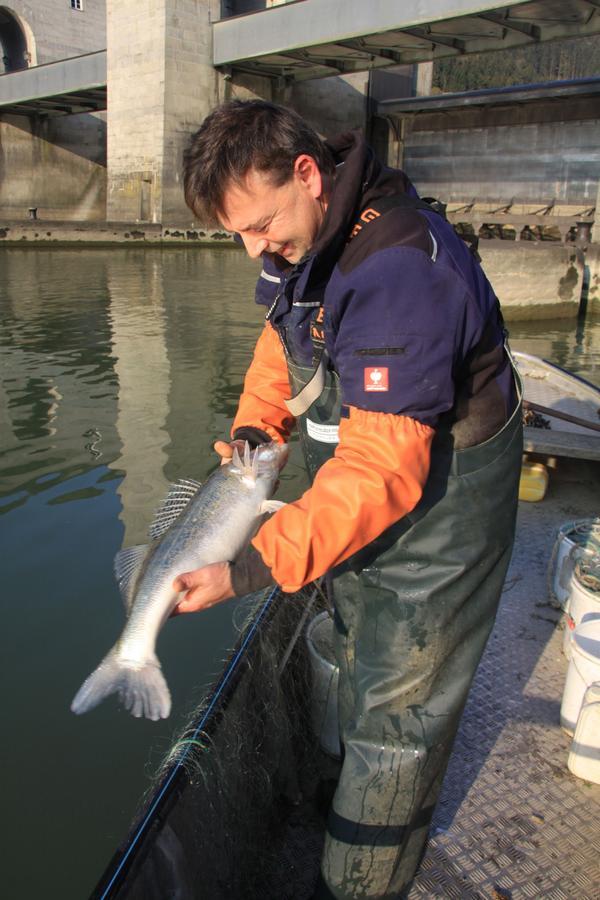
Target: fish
(197, 524)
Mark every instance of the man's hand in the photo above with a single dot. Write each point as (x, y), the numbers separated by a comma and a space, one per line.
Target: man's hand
(204, 588)
(225, 449)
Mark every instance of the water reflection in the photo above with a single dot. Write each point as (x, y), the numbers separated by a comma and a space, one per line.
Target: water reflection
(120, 368)
(141, 363)
(57, 370)
(573, 344)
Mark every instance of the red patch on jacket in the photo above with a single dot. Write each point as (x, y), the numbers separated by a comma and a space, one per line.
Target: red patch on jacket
(377, 378)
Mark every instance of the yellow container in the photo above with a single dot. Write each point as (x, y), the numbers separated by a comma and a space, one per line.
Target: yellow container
(533, 481)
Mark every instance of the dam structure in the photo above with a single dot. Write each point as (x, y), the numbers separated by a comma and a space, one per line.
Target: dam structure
(98, 100)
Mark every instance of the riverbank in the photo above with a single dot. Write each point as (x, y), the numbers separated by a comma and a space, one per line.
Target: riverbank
(533, 279)
(46, 231)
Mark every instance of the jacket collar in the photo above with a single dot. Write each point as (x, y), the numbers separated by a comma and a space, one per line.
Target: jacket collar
(359, 179)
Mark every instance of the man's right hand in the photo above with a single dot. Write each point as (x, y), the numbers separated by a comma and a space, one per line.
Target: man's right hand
(225, 449)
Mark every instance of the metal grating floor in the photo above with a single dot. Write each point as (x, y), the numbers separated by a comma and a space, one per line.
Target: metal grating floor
(512, 822)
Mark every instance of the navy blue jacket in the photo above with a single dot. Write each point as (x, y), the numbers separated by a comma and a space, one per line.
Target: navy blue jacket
(403, 295)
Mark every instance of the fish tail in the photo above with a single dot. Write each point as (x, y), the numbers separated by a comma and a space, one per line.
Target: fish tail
(142, 688)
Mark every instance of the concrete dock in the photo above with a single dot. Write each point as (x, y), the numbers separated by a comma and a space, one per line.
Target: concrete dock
(512, 821)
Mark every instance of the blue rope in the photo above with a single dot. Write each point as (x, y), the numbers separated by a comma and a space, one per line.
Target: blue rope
(228, 673)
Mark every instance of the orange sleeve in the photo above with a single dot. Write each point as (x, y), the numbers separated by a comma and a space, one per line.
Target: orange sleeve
(377, 475)
(266, 386)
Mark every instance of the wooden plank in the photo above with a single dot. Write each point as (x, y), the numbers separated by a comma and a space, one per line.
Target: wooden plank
(551, 442)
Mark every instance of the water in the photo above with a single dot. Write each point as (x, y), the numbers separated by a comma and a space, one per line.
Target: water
(120, 367)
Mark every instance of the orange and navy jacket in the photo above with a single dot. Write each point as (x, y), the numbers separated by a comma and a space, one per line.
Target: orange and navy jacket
(413, 330)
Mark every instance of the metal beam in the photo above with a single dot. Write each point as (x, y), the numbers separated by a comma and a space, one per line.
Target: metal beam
(388, 56)
(580, 87)
(456, 45)
(532, 32)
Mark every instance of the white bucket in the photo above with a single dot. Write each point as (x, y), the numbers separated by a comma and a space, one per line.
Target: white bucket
(584, 670)
(325, 678)
(584, 599)
(582, 535)
(584, 758)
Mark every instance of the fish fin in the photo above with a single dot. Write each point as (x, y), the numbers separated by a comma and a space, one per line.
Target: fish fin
(236, 461)
(248, 466)
(142, 689)
(271, 506)
(172, 506)
(128, 563)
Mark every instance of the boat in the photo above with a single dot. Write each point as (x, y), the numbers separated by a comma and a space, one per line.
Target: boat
(561, 410)
(238, 810)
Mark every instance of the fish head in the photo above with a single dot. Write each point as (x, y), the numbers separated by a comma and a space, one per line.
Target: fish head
(270, 457)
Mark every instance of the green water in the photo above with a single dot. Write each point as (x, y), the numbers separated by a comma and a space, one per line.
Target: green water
(120, 367)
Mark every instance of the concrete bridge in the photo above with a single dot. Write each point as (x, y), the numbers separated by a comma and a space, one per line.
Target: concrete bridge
(169, 62)
(65, 87)
(311, 39)
(316, 38)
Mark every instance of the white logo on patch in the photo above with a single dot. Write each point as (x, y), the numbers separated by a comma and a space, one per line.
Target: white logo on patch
(376, 378)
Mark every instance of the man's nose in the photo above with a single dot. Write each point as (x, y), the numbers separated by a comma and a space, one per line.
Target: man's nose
(255, 246)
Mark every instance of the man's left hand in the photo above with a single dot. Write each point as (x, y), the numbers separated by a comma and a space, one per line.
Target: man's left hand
(204, 588)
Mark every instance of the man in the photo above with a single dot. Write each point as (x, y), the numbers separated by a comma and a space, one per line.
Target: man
(384, 345)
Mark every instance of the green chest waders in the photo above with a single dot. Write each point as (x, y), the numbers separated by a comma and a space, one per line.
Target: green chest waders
(413, 613)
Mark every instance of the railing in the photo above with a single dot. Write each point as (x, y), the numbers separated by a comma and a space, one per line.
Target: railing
(523, 221)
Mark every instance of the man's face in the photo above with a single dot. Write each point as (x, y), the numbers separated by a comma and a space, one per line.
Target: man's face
(283, 220)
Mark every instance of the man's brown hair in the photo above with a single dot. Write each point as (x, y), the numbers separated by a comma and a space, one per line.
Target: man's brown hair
(243, 135)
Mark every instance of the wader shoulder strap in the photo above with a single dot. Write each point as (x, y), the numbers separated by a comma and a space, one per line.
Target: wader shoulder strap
(311, 391)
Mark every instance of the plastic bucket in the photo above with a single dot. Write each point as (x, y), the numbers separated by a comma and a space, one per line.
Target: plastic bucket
(582, 535)
(584, 757)
(325, 677)
(584, 597)
(583, 671)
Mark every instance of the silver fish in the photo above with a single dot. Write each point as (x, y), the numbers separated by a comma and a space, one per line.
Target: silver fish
(196, 525)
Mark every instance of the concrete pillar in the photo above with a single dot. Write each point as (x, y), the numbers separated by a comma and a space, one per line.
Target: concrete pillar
(161, 84)
(423, 79)
(399, 127)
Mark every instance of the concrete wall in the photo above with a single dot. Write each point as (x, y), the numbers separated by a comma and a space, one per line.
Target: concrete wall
(57, 165)
(529, 153)
(332, 105)
(592, 259)
(534, 280)
(55, 31)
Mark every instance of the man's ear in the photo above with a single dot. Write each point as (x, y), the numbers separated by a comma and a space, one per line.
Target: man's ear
(309, 175)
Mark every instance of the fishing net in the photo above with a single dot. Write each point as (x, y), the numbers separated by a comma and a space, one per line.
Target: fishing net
(237, 810)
